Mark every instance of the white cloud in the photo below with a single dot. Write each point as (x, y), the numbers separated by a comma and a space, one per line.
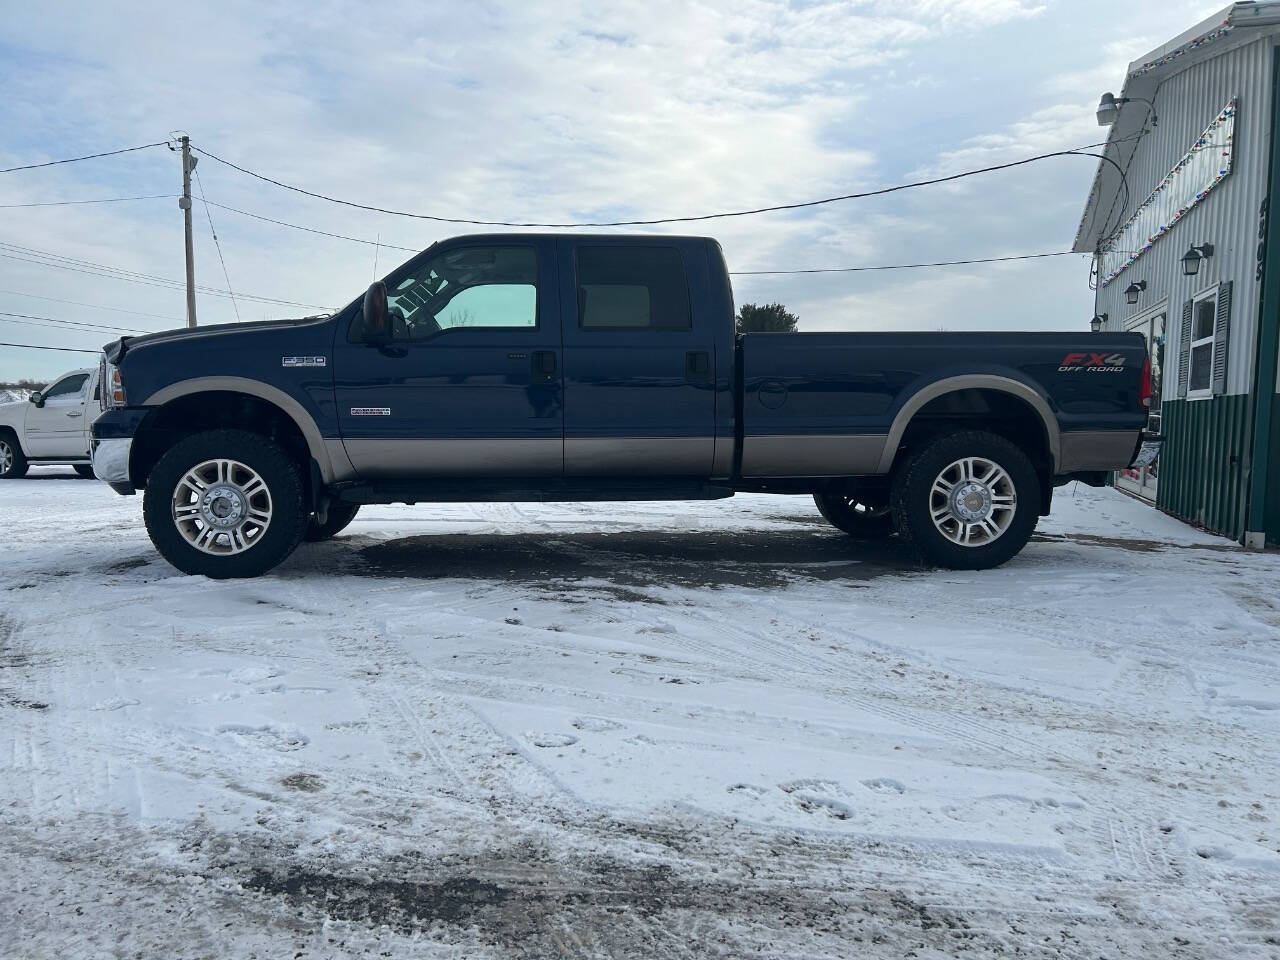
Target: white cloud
(553, 111)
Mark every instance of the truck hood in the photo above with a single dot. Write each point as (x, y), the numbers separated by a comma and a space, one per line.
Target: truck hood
(116, 350)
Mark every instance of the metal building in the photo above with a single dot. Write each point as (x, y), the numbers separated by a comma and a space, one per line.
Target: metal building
(1185, 252)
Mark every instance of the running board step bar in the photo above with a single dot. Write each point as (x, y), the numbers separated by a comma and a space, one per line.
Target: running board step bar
(526, 490)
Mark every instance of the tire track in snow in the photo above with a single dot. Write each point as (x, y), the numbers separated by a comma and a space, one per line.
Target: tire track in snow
(776, 657)
(478, 759)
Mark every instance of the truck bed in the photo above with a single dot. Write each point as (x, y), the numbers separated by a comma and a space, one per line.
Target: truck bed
(837, 404)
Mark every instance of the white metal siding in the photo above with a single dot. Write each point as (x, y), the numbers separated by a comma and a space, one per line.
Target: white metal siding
(1228, 217)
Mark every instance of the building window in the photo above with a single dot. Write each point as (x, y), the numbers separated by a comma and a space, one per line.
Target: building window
(1204, 312)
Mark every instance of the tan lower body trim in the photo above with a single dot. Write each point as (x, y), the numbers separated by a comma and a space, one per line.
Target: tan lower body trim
(847, 455)
(639, 456)
(417, 458)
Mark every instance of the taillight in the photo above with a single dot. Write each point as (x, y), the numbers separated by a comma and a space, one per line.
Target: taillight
(116, 388)
(1144, 390)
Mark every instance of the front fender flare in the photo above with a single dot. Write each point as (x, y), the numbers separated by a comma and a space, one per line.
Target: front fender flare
(329, 457)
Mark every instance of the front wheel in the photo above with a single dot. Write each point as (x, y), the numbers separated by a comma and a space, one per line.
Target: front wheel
(12, 463)
(225, 503)
(859, 518)
(967, 500)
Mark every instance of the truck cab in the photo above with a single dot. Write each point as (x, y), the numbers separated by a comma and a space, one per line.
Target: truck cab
(544, 357)
(51, 426)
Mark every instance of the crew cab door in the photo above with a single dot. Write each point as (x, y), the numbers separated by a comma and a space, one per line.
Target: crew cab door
(639, 389)
(57, 427)
(470, 383)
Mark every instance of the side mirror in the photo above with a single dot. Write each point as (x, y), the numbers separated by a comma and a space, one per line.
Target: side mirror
(37, 398)
(377, 326)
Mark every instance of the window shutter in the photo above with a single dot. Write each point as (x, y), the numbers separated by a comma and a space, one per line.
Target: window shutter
(1221, 339)
(1184, 350)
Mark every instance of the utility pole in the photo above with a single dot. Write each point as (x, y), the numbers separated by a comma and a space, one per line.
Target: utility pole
(188, 164)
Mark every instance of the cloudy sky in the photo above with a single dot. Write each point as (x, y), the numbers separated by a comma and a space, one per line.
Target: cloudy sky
(556, 111)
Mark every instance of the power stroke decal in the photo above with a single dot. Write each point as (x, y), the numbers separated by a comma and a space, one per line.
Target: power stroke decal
(1092, 363)
(302, 361)
(371, 411)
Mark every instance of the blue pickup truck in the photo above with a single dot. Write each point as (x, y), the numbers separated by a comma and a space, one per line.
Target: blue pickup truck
(553, 367)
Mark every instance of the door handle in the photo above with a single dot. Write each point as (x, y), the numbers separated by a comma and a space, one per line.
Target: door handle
(697, 365)
(544, 366)
(75, 413)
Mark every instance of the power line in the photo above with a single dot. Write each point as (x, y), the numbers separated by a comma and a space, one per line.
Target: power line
(13, 251)
(51, 321)
(738, 273)
(217, 245)
(90, 156)
(37, 346)
(323, 233)
(72, 203)
(660, 220)
(94, 306)
(50, 255)
(905, 266)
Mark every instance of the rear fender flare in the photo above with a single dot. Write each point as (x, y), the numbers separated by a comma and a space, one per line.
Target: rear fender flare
(977, 381)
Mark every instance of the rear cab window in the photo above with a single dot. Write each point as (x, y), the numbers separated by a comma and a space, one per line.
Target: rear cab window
(632, 287)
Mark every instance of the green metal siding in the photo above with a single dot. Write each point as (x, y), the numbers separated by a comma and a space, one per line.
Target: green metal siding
(1273, 479)
(1202, 464)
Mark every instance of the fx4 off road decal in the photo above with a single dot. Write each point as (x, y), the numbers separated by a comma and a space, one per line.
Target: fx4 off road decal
(1092, 363)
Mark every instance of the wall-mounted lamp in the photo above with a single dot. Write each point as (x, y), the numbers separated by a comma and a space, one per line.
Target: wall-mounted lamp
(1109, 108)
(1191, 259)
(1098, 322)
(1132, 291)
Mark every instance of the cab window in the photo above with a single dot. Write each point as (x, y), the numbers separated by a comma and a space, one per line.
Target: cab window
(493, 288)
(66, 386)
(632, 288)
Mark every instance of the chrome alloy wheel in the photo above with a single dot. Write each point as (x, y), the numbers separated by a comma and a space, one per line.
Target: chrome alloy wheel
(221, 507)
(973, 501)
(6, 457)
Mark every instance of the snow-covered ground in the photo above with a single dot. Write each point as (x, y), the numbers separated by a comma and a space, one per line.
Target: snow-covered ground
(636, 730)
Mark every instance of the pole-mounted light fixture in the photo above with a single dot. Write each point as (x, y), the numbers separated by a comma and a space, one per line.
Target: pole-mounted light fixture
(1191, 259)
(1133, 290)
(1098, 322)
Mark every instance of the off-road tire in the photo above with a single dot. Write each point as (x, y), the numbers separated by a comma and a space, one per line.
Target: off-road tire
(288, 506)
(337, 517)
(844, 513)
(17, 463)
(85, 470)
(913, 482)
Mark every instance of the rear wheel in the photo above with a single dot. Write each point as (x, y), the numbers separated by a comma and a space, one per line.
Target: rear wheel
(225, 503)
(12, 463)
(86, 470)
(863, 519)
(336, 519)
(967, 500)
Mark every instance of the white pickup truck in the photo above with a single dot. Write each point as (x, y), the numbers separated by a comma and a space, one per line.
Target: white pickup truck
(51, 426)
